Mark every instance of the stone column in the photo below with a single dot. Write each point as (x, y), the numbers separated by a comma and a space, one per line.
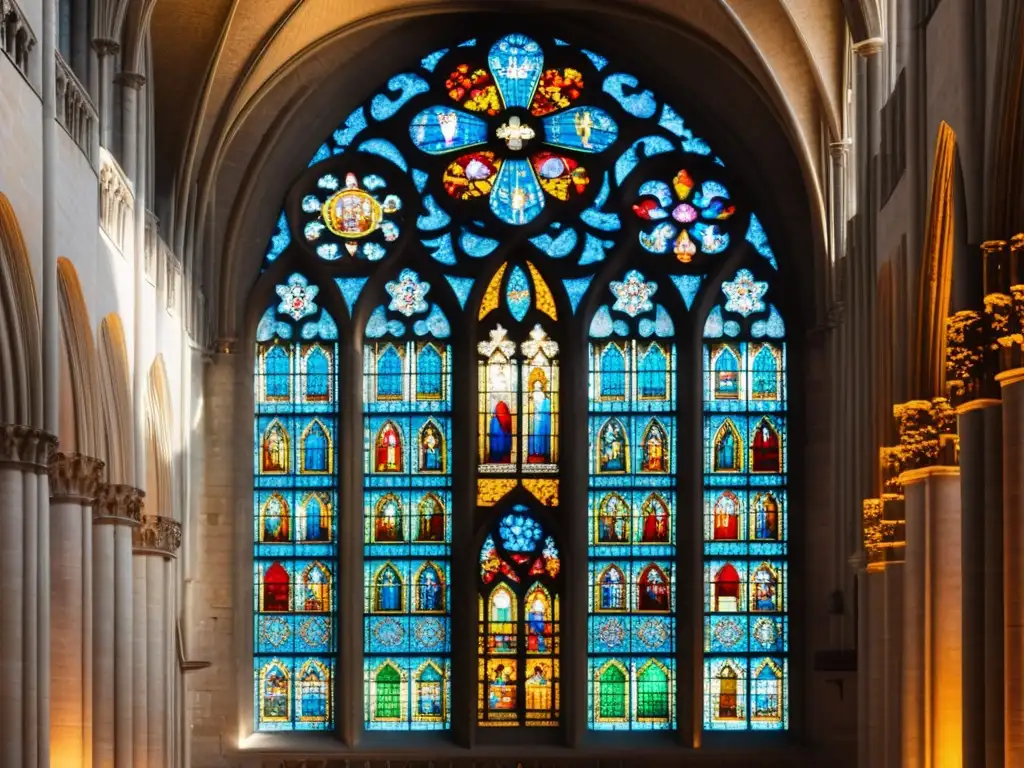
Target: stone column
(106, 50)
(74, 481)
(1012, 382)
(118, 511)
(871, 649)
(25, 454)
(156, 542)
(893, 534)
(932, 712)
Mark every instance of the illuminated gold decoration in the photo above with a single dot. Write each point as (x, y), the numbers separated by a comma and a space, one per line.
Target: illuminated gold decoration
(927, 433)
(891, 461)
(966, 352)
(936, 271)
(491, 490)
(872, 523)
(545, 301)
(492, 295)
(545, 490)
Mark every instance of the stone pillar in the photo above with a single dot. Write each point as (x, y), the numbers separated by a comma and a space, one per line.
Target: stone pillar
(893, 535)
(871, 649)
(1012, 382)
(74, 481)
(932, 712)
(118, 511)
(106, 50)
(25, 454)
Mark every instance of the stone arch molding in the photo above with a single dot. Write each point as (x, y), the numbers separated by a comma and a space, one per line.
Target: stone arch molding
(116, 399)
(20, 341)
(83, 399)
(159, 437)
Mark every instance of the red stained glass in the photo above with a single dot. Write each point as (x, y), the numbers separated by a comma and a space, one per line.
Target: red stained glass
(557, 90)
(473, 89)
(471, 175)
(560, 176)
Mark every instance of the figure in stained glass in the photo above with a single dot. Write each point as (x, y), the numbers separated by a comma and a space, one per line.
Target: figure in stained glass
(275, 448)
(538, 690)
(612, 590)
(538, 621)
(539, 443)
(389, 449)
(764, 586)
(387, 525)
(312, 692)
(612, 449)
(388, 590)
(430, 590)
(276, 517)
(429, 696)
(276, 589)
(652, 589)
(766, 517)
(431, 519)
(613, 520)
(314, 448)
(501, 688)
(274, 694)
(765, 449)
(501, 614)
(727, 449)
(726, 512)
(727, 375)
(654, 444)
(316, 588)
(431, 448)
(500, 435)
(656, 520)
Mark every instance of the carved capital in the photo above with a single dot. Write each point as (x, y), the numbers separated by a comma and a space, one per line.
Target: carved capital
(157, 535)
(927, 433)
(26, 447)
(872, 519)
(105, 47)
(133, 80)
(839, 150)
(868, 48)
(74, 477)
(118, 505)
(891, 461)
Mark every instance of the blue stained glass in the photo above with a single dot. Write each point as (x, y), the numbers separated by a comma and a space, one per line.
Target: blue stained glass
(374, 251)
(648, 146)
(407, 85)
(688, 286)
(601, 325)
(558, 246)
(277, 372)
(652, 368)
(324, 328)
(560, 43)
(269, 326)
(718, 161)
(613, 372)
(350, 288)
(443, 250)
(599, 62)
(646, 327)
(321, 154)
(584, 129)
(697, 147)
(430, 61)
(515, 62)
(354, 123)
(711, 240)
(389, 374)
(476, 245)
(419, 178)
(435, 325)
(575, 288)
(757, 238)
(461, 286)
(606, 221)
(731, 328)
(520, 532)
(440, 129)
(378, 325)
(663, 324)
(671, 121)
(468, 43)
(385, 149)
(713, 325)
(620, 328)
(373, 182)
(659, 190)
(773, 327)
(517, 293)
(428, 371)
(435, 217)
(594, 249)
(328, 251)
(516, 197)
(642, 104)
(280, 239)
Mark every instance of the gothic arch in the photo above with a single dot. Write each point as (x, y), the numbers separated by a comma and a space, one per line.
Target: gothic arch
(116, 399)
(159, 438)
(79, 402)
(20, 342)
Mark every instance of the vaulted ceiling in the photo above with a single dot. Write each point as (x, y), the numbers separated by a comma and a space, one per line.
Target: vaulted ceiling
(240, 86)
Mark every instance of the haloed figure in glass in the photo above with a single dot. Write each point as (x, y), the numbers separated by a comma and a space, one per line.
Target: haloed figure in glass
(612, 456)
(430, 449)
(389, 449)
(539, 444)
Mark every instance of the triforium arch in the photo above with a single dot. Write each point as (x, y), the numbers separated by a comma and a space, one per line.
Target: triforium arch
(512, 258)
(80, 409)
(116, 400)
(159, 439)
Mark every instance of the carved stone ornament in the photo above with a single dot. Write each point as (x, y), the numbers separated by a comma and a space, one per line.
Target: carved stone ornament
(118, 505)
(157, 536)
(927, 432)
(891, 463)
(968, 373)
(873, 531)
(26, 447)
(74, 477)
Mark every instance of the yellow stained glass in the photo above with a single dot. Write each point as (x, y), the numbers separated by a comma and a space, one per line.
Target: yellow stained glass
(489, 491)
(493, 294)
(544, 490)
(545, 301)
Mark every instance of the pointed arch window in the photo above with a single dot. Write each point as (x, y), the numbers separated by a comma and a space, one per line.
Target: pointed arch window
(295, 496)
(407, 503)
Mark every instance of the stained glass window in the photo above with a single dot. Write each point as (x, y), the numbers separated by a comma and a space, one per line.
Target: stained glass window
(632, 513)
(746, 523)
(514, 186)
(407, 502)
(519, 614)
(295, 496)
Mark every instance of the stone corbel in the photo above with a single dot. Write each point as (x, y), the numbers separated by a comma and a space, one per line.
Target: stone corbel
(118, 505)
(75, 478)
(26, 448)
(157, 535)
